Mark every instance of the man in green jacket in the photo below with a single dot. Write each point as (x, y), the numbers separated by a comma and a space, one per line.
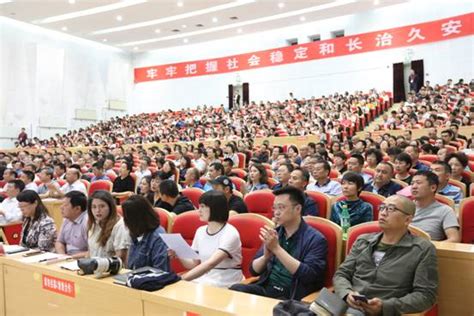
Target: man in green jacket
(396, 271)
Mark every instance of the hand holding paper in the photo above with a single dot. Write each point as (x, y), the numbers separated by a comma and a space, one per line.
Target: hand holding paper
(176, 243)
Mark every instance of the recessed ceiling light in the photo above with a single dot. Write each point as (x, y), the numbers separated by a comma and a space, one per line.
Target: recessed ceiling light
(104, 40)
(234, 26)
(92, 11)
(157, 31)
(71, 1)
(185, 40)
(177, 17)
(215, 20)
(135, 48)
(64, 28)
(239, 30)
(184, 26)
(119, 18)
(281, 5)
(302, 18)
(180, 3)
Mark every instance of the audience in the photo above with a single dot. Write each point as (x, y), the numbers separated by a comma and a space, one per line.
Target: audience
(292, 260)
(72, 239)
(433, 217)
(224, 184)
(171, 200)
(38, 228)
(143, 223)
(359, 211)
(443, 171)
(299, 179)
(382, 183)
(9, 208)
(323, 183)
(394, 269)
(107, 234)
(217, 244)
(257, 178)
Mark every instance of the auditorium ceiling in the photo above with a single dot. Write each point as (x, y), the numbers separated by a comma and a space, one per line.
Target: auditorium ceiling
(144, 25)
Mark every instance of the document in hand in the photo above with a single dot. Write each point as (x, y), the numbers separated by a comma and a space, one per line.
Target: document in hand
(179, 245)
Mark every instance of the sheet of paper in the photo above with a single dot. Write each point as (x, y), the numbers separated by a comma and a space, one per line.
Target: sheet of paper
(179, 245)
(11, 249)
(40, 258)
(71, 266)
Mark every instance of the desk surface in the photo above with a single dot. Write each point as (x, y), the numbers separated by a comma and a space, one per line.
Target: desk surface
(22, 279)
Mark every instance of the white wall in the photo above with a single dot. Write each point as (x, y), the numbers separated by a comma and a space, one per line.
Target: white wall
(443, 60)
(46, 75)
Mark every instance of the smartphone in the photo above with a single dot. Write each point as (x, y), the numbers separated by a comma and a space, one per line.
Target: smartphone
(360, 298)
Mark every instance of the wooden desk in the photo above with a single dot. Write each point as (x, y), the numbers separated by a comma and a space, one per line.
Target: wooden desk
(53, 206)
(204, 300)
(456, 278)
(22, 293)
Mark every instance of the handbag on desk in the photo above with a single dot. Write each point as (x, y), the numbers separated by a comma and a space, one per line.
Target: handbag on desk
(328, 304)
(292, 308)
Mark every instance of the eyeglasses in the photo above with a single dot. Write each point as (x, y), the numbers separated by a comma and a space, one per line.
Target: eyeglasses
(389, 209)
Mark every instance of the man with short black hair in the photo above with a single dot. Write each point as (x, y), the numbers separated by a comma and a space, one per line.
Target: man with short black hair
(172, 200)
(98, 171)
(414, 153)
(9, 208)
(73, 183)
(435, 218)
(355, 164)
(403, 165)
(283, 175)
(443, 171)
(46, 177)
(28, 179)
(383, 184)
(215, 170)
(299, 179)
(224, 184)
(292, 260)
(72, 239)
(323, 183)
(228, 164)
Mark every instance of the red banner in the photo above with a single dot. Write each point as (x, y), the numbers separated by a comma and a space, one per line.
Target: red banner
(416, 34)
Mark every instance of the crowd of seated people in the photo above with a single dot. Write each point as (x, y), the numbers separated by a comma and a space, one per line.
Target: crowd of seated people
(292, 260)
(331, 115)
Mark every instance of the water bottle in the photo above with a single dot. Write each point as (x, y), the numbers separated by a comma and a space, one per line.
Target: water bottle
(345, 221)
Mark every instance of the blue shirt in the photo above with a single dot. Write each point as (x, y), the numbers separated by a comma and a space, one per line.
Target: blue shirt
(452, 192)
(421, 166)
(149, 250)
(359, 211)
(331, 187)
(198, 185)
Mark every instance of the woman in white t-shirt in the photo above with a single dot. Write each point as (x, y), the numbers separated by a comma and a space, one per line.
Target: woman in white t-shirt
(218, 245)
(107, 234)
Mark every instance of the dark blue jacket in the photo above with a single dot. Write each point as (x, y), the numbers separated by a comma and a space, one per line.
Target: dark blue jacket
(310, 207)
(311, 251)
(387, 190)
(150, 251)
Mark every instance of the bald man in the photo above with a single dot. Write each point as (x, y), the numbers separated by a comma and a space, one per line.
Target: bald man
(396, 271)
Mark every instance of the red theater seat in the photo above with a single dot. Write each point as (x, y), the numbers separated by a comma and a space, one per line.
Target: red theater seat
(466, 220)
(249, 226)
(100, 185)
(260, 202)
(193, 194)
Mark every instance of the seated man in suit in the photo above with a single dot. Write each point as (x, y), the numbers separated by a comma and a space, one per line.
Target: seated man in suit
(292, 261)
(395, 270)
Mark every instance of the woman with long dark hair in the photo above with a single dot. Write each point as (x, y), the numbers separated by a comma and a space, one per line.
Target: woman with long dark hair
(38, 229)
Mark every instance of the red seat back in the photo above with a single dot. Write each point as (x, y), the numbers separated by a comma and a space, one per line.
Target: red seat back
(260, 202)
(248, 226)
(357, 230)
(333, 234)
(323, 201)
(193, 194)
(239, 184)
(100, 185)
(166, 220)
(241, 173)
(466, 220)
(242, 160)
(185, 224)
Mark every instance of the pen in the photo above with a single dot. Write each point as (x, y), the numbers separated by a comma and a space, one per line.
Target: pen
(48, 259)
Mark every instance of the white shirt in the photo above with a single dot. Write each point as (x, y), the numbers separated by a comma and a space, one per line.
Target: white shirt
(11, 209)
(140, 174)
(31, 186)
(76, 186)
(228, 271)
(119, 239)
(200, 165)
